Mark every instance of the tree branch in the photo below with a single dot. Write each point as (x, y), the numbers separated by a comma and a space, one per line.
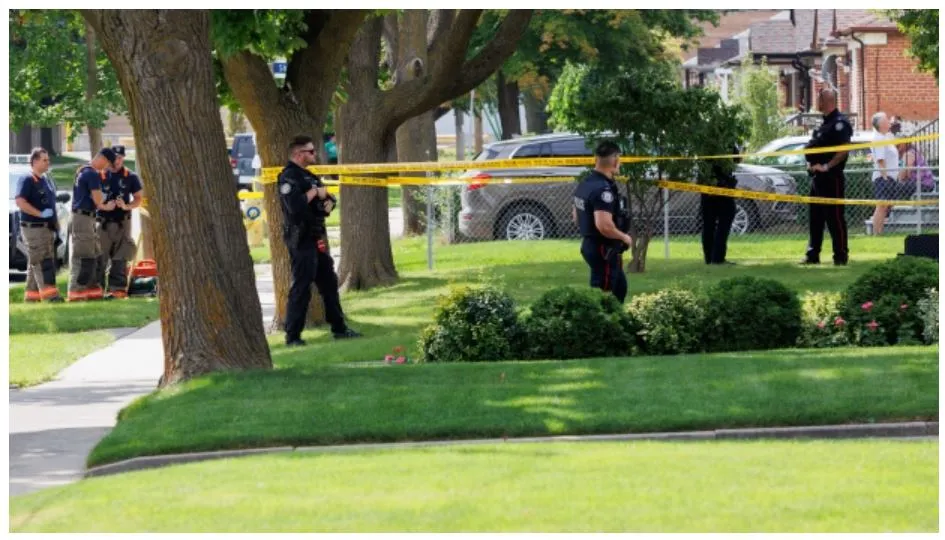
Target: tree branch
(314, 21)
(245, 66)
(441, 22)
(450, 52)
(363, 58)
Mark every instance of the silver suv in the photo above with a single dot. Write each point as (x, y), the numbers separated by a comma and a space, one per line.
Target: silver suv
(533, 211)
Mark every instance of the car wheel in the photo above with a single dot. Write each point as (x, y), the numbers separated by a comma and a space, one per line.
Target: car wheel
(746, 218)
(525, 222)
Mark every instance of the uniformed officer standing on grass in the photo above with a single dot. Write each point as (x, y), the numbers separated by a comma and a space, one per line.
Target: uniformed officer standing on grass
(36, 199)
(718, 213)
(86, 200)
(597, 203)
(305, 204)
(114, 227)
(828, 181)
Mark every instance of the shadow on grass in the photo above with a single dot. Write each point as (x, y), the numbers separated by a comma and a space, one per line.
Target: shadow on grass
(336, 405)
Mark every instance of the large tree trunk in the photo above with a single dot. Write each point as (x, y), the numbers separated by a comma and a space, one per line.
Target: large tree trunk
(638, 249)
(416, 138)
(210, 313)
(536, 120)
(91, 83)
(508, 107)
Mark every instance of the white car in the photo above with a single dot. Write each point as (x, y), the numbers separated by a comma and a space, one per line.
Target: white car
(19, 166)
(798, 142)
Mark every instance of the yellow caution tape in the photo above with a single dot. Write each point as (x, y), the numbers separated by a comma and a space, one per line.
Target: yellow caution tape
(270, 174)
(767, 196)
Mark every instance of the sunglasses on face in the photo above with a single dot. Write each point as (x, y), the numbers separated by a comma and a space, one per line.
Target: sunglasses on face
(310, 151)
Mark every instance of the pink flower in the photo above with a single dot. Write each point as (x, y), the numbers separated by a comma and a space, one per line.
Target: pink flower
(839, 321)
(873, 325)
(388, 359)
(821, 325)
(400, 360)
(867, 306)
(904, 307)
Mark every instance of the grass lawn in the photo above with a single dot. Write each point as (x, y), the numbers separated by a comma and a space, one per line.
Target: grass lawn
(36, 358)
(835, 486)
(304, 405)
(64, 175)
(45, 338)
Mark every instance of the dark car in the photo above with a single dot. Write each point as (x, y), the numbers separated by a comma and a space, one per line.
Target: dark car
(241, 159)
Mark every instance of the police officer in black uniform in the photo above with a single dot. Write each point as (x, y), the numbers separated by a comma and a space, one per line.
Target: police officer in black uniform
(598, 206)
(305, 204)
(828, 181)
(718, 213)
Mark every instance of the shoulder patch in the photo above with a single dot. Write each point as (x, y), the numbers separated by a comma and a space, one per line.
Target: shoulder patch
(839, 126)
(285, 188)
(607, 197)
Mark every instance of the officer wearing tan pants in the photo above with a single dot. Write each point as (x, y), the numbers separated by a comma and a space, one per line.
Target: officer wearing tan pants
(36, 199)
(86, 200)
(114, 232)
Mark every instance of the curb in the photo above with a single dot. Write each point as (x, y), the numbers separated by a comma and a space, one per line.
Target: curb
(848, 431)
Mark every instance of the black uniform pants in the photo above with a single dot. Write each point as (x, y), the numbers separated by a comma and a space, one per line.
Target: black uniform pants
(309, 265)
(717, 216)
(606, 273)
(829, 215)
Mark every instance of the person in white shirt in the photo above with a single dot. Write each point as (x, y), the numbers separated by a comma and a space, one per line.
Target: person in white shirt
(885, 170)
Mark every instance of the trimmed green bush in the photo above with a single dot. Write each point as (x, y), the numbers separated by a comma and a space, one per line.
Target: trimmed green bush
(882, 304)
(577, 323)
(747, 313)
(671, 321)
(821, 322)
(472, 325)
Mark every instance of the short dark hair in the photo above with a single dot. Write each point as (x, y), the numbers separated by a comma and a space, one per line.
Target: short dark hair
(606, 149)
(108, 154)
(36, 153)
(298, 142)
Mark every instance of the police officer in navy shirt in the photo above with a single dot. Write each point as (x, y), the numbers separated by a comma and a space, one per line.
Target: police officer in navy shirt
(117, 247)
(828, 181)
(596, 204)
(36, 199)
(87, 198)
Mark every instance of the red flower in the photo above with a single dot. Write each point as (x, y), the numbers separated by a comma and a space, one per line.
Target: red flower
(904, 307)
(839, 321)
(400, 360)
(867, 306)
(821, 325)
(872, 325)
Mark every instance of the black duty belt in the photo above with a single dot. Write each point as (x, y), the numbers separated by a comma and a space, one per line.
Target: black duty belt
(101, 219)
(33, 224)
(84, 213)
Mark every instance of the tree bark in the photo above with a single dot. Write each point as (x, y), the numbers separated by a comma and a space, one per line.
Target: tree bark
(508, 107)
(91, 84)
(536, 120)
(210, 312)
(460, 138)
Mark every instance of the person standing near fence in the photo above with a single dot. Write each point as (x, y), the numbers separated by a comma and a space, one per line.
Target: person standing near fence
(826, 169)
(86, 199)
(117, 246)
(718, 212)
(305, 204)
(36, 199)
(597, 204)
(886, 184)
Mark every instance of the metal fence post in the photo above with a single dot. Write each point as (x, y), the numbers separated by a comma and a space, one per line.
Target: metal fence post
(918, 196)
(666, 223)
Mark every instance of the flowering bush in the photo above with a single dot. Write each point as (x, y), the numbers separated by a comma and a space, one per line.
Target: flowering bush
(472, 325)
(882, 304)
(671, 321)
(821, 323)
(928, 312)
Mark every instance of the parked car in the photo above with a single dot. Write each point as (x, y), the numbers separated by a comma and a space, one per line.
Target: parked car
(543, 210)
(19, 166)
(241, 159)
(798, 142)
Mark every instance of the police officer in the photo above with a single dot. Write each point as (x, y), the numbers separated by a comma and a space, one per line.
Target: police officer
(828, 181)
(86, 200)
(114, 227)
(305, 204)
(718, 213)
(597, 207)
(36, 199)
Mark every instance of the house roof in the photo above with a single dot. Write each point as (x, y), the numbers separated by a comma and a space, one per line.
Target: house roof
(730, 23)
(849, 20)
(769, 37)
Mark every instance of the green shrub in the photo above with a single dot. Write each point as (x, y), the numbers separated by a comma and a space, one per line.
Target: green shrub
(882, 304)
(472, 325)
(671, 321)
(577, 323)
(746, 313)
(821, 322)
(928, 312)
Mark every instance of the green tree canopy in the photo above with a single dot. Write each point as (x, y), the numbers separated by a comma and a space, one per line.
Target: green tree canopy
(921, 26)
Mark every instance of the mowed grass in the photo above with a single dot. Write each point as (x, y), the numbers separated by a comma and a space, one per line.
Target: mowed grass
(372, 402)
(37, 358)
(812, 486)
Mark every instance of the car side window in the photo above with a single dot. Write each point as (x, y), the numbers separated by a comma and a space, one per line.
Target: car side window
(574, 147)
(528, 151)
(792, 159)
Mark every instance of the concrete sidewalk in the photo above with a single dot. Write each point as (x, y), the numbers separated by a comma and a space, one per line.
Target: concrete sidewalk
(55, 425)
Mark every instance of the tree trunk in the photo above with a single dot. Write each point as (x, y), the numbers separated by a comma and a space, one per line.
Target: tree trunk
(477, 130)
(416, 138)
(210, 311)
(638, 249)
(536, 120)
(91, 82)
(460, 138)
(508, 107)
